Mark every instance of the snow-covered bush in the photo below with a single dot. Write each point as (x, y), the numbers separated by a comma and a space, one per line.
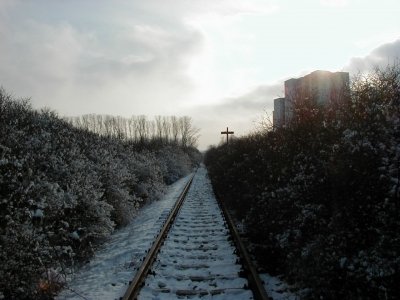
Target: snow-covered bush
(320, 198)
(63, 190)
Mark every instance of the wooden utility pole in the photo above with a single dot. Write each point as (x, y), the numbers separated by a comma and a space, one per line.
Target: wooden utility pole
(227, 132)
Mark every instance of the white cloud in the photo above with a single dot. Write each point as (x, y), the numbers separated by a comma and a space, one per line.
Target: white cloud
(381, 56)
(6, 4)
(141, 59)
(375, 40)
(165, 57)
(204, 7)
(77, 68)
(335, 3)
(242, 113)
(38, 57)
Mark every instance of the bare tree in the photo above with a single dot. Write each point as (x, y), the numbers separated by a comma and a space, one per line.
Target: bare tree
(189, 134)
(175, 128)
(159, 128)
(108, 125)
(139, 129)
(143, 130)
(166, 128)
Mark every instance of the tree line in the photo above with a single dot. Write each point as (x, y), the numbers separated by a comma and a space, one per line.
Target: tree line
(140, 129)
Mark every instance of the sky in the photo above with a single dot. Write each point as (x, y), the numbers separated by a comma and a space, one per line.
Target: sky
(220, 62)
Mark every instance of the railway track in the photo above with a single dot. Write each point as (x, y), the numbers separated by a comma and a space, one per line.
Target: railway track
(195, 255)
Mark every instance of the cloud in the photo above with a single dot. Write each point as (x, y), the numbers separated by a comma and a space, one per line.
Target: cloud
(334, 3)
(6, 4)
(381, 56)
(134, 63)
(204, 7)
(146, 57)
(79, 57)
(258, 99)
(242, 114)
(37, 55)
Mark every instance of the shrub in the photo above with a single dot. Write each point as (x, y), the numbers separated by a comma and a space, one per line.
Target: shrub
(63, 190)
(320, 198)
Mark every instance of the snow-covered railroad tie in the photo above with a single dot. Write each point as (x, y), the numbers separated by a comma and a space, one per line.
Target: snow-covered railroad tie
(197, 257)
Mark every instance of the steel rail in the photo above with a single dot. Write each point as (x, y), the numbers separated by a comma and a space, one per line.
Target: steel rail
(134, 287)
(255, 283)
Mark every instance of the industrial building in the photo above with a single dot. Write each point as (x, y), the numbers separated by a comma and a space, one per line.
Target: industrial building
(322, 86)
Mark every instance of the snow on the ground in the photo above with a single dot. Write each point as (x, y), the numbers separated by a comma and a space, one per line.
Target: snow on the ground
(198, 260)
(276, 288)
(115, 263)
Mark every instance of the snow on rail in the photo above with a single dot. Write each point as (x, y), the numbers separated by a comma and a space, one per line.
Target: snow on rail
(208, 267)
(115, 264)
(198, 259)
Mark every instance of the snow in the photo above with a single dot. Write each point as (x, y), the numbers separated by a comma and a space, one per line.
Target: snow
(74, 235)
(38, 213)
(198, 256)
(342, 262)
(197, 260)
(107, 275)
(276, 288)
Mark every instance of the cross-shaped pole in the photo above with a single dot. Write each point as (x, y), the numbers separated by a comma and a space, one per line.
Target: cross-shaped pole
(227, 132)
